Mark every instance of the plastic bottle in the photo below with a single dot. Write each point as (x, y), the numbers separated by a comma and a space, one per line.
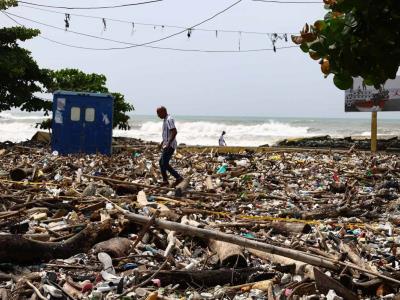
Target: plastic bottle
(79, 175)
(222, 169)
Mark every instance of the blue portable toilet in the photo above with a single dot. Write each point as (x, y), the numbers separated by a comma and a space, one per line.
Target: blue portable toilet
(82, 122)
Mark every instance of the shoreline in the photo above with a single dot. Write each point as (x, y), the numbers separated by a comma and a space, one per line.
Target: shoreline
(385, 143)
(240, 132)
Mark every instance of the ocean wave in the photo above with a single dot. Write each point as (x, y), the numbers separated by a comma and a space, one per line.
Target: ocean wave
(17, 132)
(239, 132)
(207, 133)
(5, 116)
(366, 133)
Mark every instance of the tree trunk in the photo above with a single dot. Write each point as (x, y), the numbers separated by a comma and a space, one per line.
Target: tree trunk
(18, 249)
(229, 238)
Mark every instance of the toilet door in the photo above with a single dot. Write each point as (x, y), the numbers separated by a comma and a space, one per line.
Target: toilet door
(90, 129)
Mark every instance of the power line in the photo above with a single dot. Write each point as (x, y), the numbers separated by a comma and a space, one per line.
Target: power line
(176, 49)
(91, 7)
(133, 23)
(290, 2)
(147, 46)
(146, 43)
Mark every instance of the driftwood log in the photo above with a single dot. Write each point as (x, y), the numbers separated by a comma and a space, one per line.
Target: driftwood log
(211, 278)
(332, 211)
(115, 247)
(237, 240)
(19, 249)
(18, 174)
(354, 256)
(229, 255)
(182, 187)
(314, 260)
(287, 227)
(301, 268)
(325, 283)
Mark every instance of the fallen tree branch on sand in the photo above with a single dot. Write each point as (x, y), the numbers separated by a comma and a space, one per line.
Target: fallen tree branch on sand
(16, 248)
(311, 259)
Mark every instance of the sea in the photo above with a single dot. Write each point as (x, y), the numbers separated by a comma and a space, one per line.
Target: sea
(205, 130)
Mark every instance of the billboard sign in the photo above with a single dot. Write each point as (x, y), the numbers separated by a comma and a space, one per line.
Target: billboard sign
(367, 99)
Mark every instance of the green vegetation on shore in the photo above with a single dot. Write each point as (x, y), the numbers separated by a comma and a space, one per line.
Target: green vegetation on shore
(356, 38)
(22, 80)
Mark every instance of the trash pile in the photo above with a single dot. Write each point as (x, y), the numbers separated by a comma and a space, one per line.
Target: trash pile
(388, 143)
(278, 225)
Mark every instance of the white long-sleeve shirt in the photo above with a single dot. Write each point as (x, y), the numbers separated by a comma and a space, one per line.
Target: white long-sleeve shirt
(222, 141)
(168, 124)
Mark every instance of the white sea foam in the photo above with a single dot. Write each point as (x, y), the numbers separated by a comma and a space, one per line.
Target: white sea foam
(206, 130)
(207, 133)
(17, 127)
(366, 133)
(6, 116)
(16, 131)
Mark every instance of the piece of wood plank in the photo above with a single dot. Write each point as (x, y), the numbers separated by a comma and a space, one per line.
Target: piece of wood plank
(325, 283)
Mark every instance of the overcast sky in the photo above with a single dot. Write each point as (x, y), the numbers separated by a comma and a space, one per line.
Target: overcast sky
(283, 84)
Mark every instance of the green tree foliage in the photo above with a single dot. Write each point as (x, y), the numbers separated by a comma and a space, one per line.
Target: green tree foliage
(76, 80)
(355, 38)
(4, 4)
(21, 79)
(20, 76)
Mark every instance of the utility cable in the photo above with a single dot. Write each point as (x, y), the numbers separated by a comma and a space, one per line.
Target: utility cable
(91, 7)
(290, 2)
(154, 25)
(147, 46)
(177, 49)
(154, 41)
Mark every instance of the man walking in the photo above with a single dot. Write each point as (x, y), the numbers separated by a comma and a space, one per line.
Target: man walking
(168, 146)
(221, 140)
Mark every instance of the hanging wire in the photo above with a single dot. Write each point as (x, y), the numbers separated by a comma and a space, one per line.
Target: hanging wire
(289, 2)
(90, 7)
(163, 38)
(152, 25)
(146, 46)
(273, 36)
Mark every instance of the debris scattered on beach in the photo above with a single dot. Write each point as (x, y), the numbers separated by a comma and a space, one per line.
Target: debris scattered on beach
(388, 143)
(272, 225)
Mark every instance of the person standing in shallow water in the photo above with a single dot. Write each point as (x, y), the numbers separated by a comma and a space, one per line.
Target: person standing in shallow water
(168, 146)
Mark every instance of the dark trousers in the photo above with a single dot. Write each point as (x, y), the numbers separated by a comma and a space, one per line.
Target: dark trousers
(164, 164)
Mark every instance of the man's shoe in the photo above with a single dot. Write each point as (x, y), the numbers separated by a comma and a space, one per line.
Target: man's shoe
(164, 183)
(178, 181)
